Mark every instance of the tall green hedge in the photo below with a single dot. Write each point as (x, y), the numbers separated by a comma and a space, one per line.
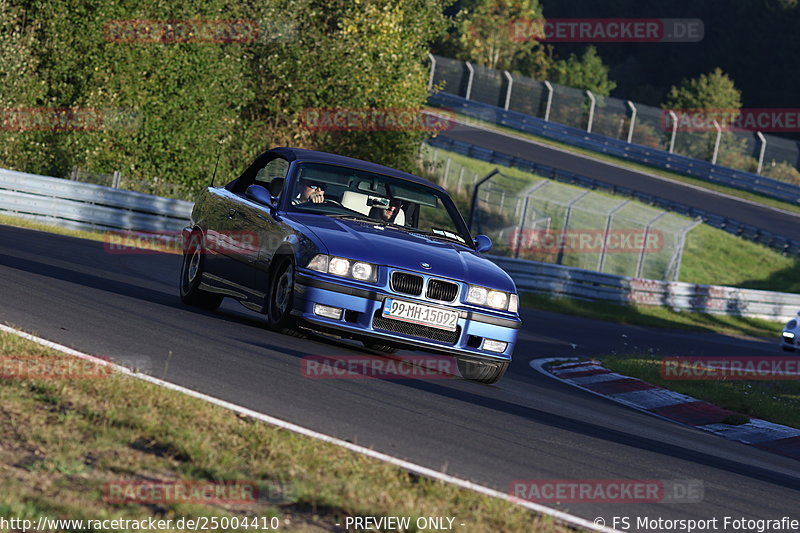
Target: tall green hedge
(168, 106)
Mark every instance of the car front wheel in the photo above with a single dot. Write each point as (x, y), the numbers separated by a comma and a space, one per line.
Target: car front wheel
(487, 373)
(281, 297)
(191, 273)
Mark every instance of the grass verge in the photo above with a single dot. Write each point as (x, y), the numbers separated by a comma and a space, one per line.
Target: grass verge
(638, 167)
(711, 256)
(64, 440)
(657, 317)
(777, 401)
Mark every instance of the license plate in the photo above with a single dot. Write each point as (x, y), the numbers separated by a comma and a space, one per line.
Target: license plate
(426, 315)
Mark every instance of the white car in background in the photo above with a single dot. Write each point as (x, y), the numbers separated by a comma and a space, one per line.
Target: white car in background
(791, 334)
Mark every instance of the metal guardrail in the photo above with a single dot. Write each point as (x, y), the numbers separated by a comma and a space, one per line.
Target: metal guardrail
(82, 205)
(571, 282)
(737, 179)
(777, 242)
(86, 206)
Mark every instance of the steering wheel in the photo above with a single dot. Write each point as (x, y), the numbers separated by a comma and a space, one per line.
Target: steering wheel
(334, 202)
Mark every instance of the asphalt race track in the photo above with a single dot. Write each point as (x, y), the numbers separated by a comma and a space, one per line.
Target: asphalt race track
(776, 221)
(527, 426)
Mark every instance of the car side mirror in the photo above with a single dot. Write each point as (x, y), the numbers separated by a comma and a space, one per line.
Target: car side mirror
(261, 195)
(482, 243)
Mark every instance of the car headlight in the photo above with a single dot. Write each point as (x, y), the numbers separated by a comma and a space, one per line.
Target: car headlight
(791, 324)
(340, 266)
(491, 298)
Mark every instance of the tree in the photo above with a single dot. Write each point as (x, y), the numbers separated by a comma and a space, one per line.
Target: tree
(708, 91)
(700, 101)
(500, 34)
(169, 102)
(587, 72)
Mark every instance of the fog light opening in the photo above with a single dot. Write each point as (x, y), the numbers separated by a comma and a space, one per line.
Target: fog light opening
(327, 311)
(491, 345)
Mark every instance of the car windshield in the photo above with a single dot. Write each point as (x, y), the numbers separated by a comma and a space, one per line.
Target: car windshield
(391, 202)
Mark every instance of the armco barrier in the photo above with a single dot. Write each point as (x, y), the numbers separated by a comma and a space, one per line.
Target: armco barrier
(86, 206)
(737, 179)
(571, 282)
(82, 205)
(777, 242)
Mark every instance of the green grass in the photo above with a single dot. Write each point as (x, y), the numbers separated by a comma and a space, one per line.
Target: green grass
(714, 257)
(63, 440)
(774, 400)
(658, 317)
(711, 256)
(772, 202)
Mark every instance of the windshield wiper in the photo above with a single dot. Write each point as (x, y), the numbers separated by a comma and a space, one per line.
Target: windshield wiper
(448, 238)
(355, 217)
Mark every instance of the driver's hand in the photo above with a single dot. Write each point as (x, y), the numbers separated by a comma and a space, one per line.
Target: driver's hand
(317, 197)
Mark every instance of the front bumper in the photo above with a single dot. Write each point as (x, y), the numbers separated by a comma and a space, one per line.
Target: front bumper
(362, 305)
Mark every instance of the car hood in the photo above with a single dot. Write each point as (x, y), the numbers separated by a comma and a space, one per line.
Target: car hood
(369, 242)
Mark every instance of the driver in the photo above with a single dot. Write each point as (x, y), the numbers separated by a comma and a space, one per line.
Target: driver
(310, 191)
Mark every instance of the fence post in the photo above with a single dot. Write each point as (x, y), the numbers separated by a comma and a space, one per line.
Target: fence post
(678, 255)
(469, 81)
(633, 120)
(567, 215)
(716, 142)
(473, 205)
(674, 118)
(117, 177)
(611, 213)
(446, 172)
(521, 227)
(508, 91)
(460, 180)
(640, 263)
(591, 110)
(761, 151)
(549, 101)
(433, 69)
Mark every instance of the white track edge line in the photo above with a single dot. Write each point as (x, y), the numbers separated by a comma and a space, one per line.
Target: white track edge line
(406, 465)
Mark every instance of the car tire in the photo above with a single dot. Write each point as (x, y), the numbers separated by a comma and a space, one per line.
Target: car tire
(379, 347)
(192, 268)
(486, 373)
(280, 298)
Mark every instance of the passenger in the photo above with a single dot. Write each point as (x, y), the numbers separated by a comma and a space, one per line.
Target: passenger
(387, 215)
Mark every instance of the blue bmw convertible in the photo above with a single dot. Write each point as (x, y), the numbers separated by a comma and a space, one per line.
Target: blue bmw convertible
(327, 243)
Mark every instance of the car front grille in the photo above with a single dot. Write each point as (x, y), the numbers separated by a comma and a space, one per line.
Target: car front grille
(407, 283)
(415, 330)
(441, 290)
